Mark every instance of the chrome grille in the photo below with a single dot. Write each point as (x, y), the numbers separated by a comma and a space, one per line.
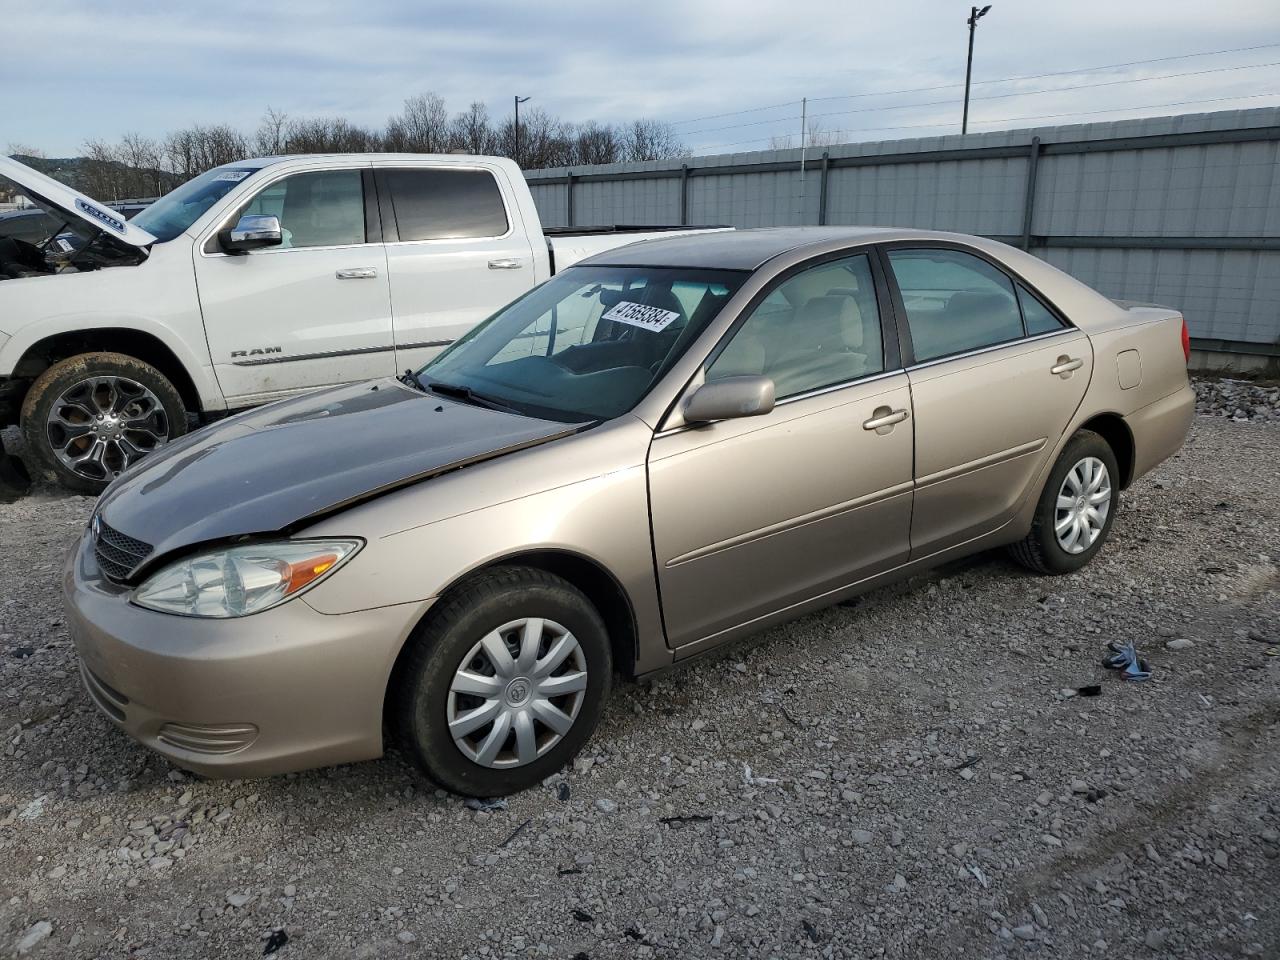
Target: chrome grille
(118, 555)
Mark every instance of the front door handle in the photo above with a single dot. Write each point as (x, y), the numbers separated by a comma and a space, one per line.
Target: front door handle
(357, 273)
(506, 263)
(884, 419)
(1065, 366)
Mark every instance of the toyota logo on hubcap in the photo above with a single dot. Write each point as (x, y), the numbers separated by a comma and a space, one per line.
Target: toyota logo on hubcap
(518, 691)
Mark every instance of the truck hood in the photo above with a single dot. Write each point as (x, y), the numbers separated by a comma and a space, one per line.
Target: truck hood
(74, 204)
(272, 468)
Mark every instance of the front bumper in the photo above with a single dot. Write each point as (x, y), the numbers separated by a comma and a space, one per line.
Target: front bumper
(286, 689)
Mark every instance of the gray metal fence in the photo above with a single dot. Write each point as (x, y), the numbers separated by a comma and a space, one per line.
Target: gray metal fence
(1180, 210)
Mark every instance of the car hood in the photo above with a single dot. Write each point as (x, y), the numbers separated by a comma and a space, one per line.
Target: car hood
(76, 205)
(272, 468)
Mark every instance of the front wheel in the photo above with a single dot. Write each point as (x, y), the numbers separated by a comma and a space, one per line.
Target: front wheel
(504, 683)
(88, 418)
(1075, 510)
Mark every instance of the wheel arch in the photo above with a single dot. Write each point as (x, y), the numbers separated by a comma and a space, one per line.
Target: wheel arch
(130, 341)
(1113, 429)
(597, 583)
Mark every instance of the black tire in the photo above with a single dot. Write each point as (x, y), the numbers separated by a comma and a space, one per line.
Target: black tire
(452, 628)
(66, 374)
(1040, 550)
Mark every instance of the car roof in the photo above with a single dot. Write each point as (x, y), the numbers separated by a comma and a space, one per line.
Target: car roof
(748, 249)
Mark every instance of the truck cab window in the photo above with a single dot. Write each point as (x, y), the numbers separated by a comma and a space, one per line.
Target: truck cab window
(439, 204)
(315, 209)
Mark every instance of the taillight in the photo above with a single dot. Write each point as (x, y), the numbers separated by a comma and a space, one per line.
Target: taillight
(1186, 341)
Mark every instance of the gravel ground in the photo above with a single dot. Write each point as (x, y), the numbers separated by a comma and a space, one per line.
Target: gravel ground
(1241, 400)
(911, 776)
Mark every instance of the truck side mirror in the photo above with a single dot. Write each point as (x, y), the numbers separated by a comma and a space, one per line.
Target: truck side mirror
(251, 233)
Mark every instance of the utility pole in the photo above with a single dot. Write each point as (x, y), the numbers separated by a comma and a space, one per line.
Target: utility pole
(804, 126)
(804, 140)
(974, 16)
(519, 100)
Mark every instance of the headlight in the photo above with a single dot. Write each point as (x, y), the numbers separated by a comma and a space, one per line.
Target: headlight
(238, 581)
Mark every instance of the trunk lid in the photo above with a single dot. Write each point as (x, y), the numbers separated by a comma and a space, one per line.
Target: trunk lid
(270, 469)
(73, 204)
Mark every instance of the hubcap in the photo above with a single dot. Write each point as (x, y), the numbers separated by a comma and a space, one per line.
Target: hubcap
(101, 425)
(517, 693)
(1084, 501)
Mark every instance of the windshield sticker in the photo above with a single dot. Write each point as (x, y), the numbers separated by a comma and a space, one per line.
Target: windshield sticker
(638, 315)
(106, 219)
(235, 176)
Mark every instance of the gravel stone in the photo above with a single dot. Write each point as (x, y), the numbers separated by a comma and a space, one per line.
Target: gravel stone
(831, 778)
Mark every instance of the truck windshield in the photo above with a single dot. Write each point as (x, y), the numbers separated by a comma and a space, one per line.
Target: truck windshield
(177, 210)
(586, 345)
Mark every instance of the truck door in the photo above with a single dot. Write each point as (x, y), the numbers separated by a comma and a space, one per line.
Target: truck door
(311, 312)
(456, 252)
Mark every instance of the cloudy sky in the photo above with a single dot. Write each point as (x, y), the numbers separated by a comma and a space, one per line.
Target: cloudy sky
(75, 71)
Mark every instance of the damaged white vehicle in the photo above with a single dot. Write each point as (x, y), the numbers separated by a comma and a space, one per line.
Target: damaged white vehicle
(254, 281)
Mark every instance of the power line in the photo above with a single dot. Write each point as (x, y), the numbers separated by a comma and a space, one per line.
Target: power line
(994, 96)
(1047, 116)
(949, 86)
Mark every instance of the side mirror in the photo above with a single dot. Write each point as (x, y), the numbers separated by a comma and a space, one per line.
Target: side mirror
(729, 399)
(251, 233)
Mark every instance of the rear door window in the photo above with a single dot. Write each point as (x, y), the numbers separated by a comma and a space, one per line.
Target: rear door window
(955, 302)
(444, 204)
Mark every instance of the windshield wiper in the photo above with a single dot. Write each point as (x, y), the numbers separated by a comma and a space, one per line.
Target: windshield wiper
(459, 392)
(410, 379)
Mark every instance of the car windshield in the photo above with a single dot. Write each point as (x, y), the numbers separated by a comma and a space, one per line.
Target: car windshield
(586, 345)
(177, 210)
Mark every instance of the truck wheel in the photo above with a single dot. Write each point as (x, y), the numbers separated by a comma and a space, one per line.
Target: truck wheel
(503, 683)
(89, 417)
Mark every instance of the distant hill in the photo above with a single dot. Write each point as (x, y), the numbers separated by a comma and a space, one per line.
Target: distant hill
(101, 179)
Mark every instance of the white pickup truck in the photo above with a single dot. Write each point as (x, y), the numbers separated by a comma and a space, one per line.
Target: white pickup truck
(251, 282)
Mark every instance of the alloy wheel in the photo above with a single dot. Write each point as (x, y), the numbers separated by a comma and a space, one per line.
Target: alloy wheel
(1084, 501)
(101, 425)
(517, 693)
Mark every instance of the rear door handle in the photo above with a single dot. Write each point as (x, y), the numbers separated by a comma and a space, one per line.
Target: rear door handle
(882, 420)
(357, 273)
(506, 263)
(1065, 365)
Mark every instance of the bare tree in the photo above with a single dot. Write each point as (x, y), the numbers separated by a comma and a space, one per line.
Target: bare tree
(24, 150)
(192, 151)
(651, 140)
(422, 127)
(597, 143)
(269, 141)
(815, 136)
(471, 131)
(329, 135)
(139, 165)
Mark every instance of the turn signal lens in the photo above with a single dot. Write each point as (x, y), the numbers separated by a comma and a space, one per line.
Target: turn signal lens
(238, 581)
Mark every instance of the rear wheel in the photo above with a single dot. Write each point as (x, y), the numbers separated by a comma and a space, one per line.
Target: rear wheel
(1076, 509)
(504, 683)
(88, 418)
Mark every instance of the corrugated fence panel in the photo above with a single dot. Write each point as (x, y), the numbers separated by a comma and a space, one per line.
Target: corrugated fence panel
(550, 201)
(599, 202)
(1182, 210)
(1224, 294)
(969, 196)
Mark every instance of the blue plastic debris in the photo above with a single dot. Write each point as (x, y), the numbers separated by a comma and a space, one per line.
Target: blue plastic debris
(1124, 657)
